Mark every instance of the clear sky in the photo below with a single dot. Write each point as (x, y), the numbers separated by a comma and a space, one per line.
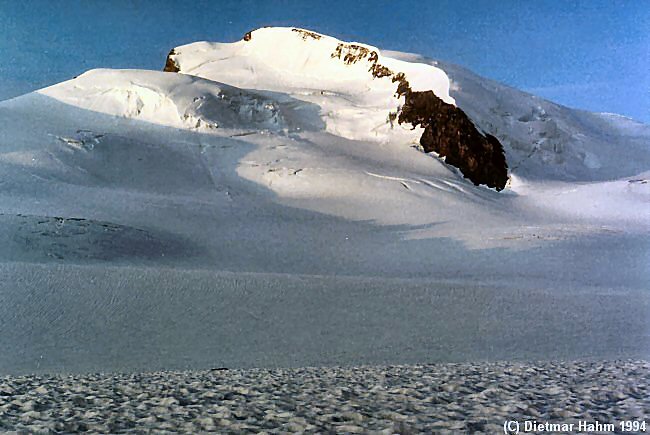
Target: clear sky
(592, 54)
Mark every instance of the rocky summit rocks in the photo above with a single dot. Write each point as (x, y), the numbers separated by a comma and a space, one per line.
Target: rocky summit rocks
(450, 133)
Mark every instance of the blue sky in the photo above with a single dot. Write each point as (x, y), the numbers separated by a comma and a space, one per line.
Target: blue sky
(590, 54)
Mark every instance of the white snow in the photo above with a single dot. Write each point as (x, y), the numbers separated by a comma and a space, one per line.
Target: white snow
(271, 156)
(352, 103)
(179, 101)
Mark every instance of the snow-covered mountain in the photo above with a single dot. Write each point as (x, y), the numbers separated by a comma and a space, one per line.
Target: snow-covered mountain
(284, 153)
(361, 93)
(292, 118)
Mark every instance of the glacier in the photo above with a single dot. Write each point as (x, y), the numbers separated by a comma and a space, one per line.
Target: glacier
(258, 205)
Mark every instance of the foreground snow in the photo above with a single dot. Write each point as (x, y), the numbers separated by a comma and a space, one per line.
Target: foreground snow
(59, 318)
(271, 156)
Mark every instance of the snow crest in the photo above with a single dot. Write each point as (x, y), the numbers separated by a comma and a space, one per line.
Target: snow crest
(178, 101)
(353, 83)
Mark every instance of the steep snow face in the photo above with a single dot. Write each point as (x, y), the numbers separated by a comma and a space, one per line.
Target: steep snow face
(544, 140)
(171, 100)
(352, 83)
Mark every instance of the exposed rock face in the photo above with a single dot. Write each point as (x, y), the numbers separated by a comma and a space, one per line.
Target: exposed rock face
(170, 64)
(447, 129)
(306, 34)
(450, 133)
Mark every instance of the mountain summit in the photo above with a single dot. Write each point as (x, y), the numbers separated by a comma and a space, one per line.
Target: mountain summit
(363, 93)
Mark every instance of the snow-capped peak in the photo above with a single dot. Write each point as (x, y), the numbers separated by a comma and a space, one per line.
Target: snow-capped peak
(353, 83)
(281, 58)
(362, 94)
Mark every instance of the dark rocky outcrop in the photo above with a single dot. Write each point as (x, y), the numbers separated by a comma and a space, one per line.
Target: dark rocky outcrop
(170, 64)
(449, 132)
(307, 34)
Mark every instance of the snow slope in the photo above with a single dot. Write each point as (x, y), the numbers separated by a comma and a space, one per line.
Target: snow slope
(180, 101)
(271, 156)
(544, 140)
